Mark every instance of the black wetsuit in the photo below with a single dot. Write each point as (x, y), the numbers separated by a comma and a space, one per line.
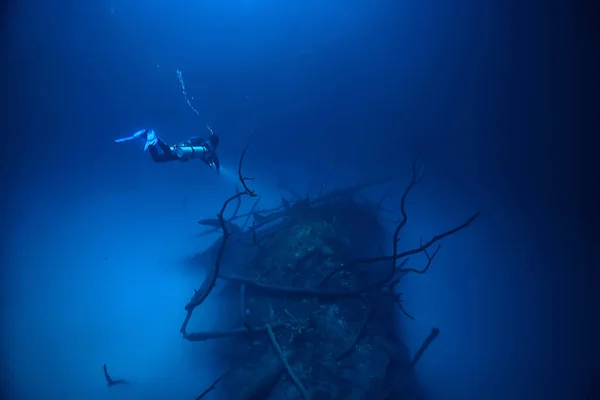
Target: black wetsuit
(162, 152)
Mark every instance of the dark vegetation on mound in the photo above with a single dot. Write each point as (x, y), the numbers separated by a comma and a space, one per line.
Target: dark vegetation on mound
(315, 298)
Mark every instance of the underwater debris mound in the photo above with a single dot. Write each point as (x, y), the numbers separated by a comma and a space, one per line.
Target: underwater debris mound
(316, 300)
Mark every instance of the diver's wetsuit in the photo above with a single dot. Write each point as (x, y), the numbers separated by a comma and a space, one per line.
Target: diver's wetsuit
(161, 152)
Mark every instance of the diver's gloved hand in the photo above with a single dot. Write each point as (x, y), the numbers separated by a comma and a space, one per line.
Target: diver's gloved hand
(212, 160)
(147, 134)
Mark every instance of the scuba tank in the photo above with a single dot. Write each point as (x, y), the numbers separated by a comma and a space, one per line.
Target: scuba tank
(199, 148)
(185, 151)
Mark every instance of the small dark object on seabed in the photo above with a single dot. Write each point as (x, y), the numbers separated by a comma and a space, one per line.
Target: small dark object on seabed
(110, 381)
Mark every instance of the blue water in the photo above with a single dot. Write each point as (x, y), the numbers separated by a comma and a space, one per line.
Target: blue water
(332, 93)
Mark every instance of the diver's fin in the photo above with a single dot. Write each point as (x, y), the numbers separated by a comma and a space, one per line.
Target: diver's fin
(136, 135)
(125, 139)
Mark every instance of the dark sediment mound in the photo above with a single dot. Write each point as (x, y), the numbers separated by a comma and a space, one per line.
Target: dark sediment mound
(315, 300)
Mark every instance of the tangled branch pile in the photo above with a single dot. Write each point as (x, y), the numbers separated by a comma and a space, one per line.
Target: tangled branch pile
(316, 299)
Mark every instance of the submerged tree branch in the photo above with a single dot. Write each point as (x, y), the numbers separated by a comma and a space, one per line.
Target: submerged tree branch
(202, 336)
(397, 383)
(432, 335)
(429, 261)
(304, 291)
(358, 334)
(299, 385)
(209, 283)
(395, 256)
(212, 386)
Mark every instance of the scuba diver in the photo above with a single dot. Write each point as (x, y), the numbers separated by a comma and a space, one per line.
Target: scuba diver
(194, 147)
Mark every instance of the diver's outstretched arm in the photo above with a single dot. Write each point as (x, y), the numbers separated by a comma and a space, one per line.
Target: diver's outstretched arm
(110, 381)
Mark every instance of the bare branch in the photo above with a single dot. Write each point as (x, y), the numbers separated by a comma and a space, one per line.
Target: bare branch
(202, 336)
(416, 250)
(288, 189)
(415, 179)
(243, 307)
(385, 196)
(243, 179)
(304, 291)
(254, 212)
(251, 213)
(211, 278)
(429, 261)
(395, 254)
(432, 335)
(301, 388)
(358, 334)
(254, 238)
(212, 386)
(401, 307)
(401, 380)
(237, 206)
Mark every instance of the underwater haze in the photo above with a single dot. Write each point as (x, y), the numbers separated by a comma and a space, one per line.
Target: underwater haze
(328, 94)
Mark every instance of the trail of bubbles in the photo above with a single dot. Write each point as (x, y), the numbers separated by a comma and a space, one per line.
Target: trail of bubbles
(182, 84)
